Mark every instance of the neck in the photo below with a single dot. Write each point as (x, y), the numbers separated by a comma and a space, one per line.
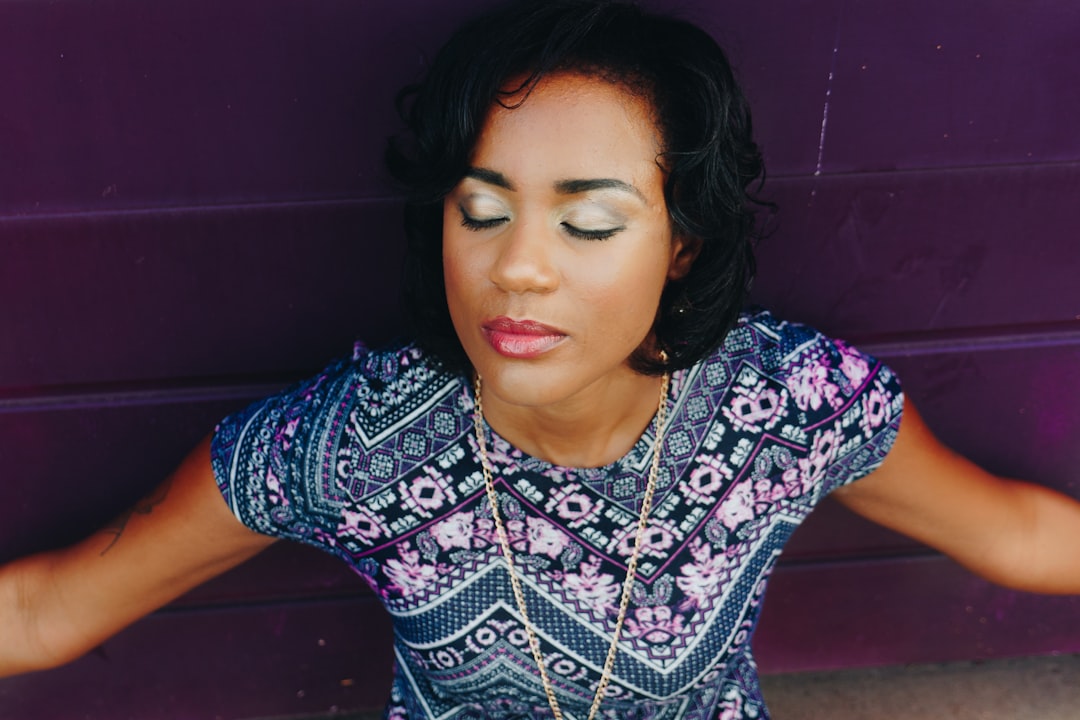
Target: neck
(592, 429)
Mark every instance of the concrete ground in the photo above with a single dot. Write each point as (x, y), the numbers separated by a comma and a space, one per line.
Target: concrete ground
(1041, 688)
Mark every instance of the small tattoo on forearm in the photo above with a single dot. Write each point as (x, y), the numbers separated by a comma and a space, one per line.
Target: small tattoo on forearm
(143, 507)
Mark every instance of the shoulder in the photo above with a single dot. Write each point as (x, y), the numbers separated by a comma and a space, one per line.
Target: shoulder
(366, 397)
(289, 463)
(380, 384)
(796, 354)
(395, 381)
(402, 389)
(806, 388)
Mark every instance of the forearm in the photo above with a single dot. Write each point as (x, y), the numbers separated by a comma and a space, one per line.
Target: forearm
(56, 606)
(23, 606)
(1047, 554)
(1016, 534)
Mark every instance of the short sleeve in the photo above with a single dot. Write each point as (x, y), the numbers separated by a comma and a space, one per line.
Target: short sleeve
(848, 404)
(266, 456)
(310, 463)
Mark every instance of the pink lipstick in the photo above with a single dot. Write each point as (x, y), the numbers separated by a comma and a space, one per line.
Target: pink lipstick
(521, 339)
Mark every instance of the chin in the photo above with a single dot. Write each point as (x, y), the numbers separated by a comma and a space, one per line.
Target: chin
(525, 383)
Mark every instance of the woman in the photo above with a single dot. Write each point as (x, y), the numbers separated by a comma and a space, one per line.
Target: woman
(569, 492)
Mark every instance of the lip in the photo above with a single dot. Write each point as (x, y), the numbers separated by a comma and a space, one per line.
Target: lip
(521, 339)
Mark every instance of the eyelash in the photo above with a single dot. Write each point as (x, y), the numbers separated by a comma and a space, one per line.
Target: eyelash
(475, 224)
(471, 223)
(589, 234)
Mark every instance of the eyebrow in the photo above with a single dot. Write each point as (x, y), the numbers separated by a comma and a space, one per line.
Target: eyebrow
(573, 187)
(563, 187)
(490, 177)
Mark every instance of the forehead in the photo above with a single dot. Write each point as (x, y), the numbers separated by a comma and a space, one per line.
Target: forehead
(573, 119)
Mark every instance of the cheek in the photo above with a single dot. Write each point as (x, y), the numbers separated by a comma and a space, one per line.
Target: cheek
(452, 247)
(460, 274)
(625, 295)
(452, 279)
(453, 260)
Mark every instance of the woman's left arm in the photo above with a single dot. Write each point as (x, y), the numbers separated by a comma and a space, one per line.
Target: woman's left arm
(1013, 533)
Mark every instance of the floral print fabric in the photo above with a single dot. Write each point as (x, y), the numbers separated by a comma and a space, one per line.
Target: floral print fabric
(374, 461)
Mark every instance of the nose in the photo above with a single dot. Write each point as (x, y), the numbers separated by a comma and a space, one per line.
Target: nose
(526, 260)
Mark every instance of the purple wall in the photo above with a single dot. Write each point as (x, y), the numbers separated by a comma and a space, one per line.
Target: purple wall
(192, 212)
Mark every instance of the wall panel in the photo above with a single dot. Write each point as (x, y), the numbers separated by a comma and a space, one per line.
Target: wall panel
(972, 251)
(954, 84)
(161, 296)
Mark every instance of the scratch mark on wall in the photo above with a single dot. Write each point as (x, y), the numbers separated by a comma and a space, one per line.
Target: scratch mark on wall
(824, 123)
(825, 109)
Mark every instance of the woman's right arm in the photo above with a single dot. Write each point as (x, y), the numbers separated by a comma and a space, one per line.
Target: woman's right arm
(56, 606)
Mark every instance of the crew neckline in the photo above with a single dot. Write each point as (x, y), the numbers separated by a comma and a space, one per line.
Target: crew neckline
(500, 449)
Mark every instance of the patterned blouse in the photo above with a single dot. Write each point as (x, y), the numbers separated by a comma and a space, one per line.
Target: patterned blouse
(375, 461)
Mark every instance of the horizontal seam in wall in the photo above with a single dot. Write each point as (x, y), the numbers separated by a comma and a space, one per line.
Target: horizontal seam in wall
(198, 209)
(906, 345)
(940, 342)
(930, 169)
(386, 199)
(163, 393)
(821, 562)
(94, 398)
(255, 602)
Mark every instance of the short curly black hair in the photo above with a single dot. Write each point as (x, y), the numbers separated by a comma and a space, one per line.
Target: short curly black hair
(712, 165)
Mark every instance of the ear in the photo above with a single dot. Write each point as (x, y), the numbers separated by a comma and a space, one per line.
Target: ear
(684, 250)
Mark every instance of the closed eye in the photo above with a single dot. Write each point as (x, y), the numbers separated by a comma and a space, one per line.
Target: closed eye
(471, 223)
(582, 234)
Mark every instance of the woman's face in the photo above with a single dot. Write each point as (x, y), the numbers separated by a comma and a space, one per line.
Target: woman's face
(557, 243)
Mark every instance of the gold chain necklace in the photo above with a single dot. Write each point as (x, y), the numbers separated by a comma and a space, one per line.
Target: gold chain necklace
(631, 565)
